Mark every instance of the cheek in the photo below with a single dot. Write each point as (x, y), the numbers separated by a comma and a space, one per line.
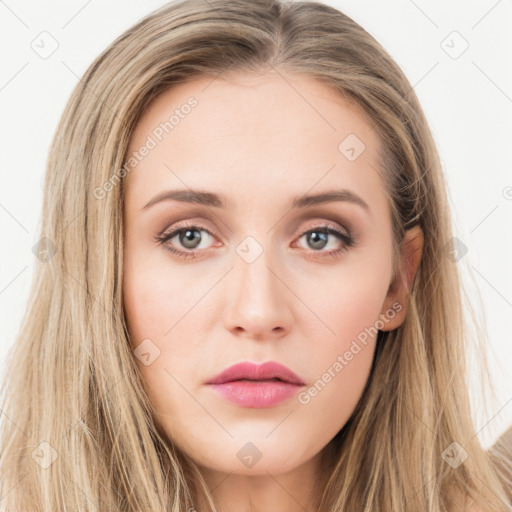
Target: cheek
(342, 368)
(155, 298)
(350, 301)
(349, 308)
(162, 321)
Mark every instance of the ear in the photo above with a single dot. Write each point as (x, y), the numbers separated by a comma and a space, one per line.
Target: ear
(399, 289)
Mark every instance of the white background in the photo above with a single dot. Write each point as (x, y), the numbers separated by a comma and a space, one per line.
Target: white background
(467, 100)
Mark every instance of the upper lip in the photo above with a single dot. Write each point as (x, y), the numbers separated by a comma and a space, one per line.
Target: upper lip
(265, 371)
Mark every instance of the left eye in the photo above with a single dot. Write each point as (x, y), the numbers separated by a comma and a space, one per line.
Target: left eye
(318, 237)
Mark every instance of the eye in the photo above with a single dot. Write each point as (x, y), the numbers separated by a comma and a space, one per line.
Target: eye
(318, 239)
(189, 238)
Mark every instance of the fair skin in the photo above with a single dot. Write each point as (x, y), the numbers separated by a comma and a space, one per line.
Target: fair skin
(255, 140)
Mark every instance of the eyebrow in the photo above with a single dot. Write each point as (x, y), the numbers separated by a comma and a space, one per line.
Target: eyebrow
(218, 201)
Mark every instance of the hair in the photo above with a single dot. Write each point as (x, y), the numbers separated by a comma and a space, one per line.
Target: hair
(78, 429)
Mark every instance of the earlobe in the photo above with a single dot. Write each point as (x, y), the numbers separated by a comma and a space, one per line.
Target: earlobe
(401, 285)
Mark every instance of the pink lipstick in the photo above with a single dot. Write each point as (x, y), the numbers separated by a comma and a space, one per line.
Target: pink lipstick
(256, 386)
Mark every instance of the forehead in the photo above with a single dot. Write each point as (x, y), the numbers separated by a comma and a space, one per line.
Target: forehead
(253, 133)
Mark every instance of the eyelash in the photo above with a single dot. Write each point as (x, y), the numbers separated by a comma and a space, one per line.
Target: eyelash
(348, 240)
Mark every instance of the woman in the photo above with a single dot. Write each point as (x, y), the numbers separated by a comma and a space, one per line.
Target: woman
(250, 301)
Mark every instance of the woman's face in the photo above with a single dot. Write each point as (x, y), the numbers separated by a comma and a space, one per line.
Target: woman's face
(259, 278)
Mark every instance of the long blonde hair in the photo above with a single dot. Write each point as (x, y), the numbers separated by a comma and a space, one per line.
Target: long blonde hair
(78, 430)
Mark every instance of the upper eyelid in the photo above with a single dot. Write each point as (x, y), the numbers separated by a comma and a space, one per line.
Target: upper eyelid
(342, 214)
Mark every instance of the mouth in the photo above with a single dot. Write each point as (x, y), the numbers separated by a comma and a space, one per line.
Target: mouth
(252, 386)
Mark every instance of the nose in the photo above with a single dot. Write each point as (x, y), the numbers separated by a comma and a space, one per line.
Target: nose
(258, 302)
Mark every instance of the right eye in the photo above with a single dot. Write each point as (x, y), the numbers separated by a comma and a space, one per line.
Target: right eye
(186, 235)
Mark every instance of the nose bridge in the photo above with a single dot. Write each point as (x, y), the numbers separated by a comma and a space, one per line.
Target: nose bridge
(258, 302)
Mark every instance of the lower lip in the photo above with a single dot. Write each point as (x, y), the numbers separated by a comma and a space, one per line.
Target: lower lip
(254, 394)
